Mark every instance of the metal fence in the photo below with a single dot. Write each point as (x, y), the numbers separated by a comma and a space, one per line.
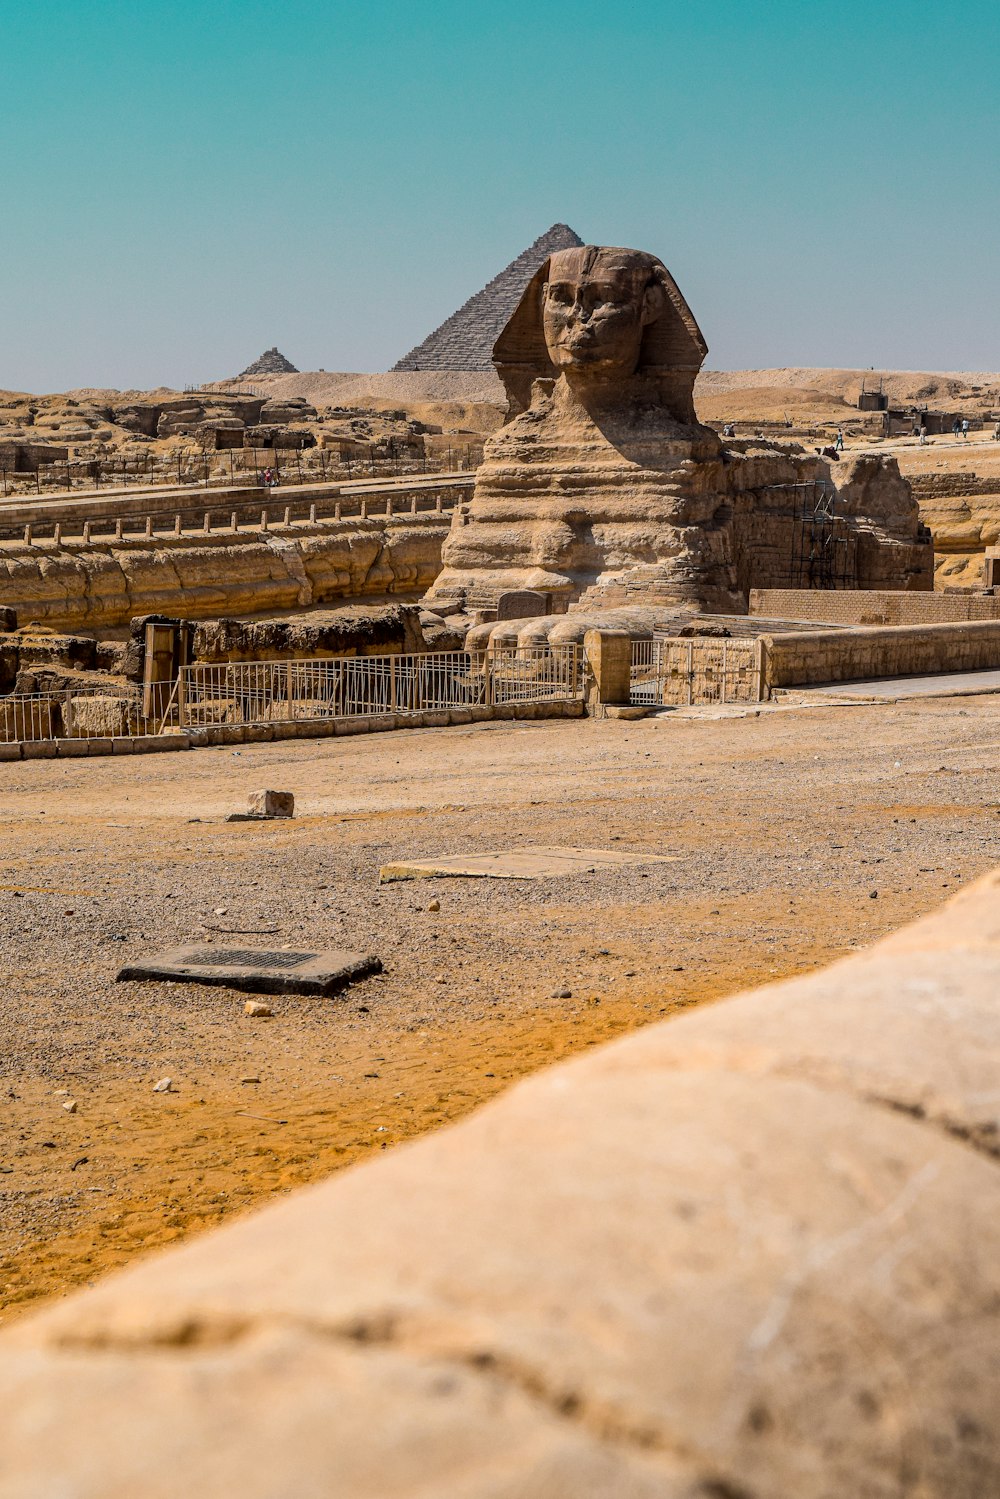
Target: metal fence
(680, 673)
(261, 692)
(83, 712)
(244, 515)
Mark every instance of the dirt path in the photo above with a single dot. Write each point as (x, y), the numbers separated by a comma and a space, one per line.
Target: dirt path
(801, 834)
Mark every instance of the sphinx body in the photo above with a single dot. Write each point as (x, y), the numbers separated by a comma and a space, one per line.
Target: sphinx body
(603, 488)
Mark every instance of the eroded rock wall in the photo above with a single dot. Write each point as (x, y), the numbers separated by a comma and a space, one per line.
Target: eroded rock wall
(104, 584)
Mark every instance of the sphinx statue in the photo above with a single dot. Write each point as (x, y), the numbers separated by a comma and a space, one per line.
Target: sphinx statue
(602, 488)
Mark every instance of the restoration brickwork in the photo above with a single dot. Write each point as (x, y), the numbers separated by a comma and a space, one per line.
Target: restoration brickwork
(872, 607)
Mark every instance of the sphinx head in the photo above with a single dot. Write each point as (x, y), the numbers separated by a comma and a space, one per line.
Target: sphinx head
(597, 316)
(596, 305)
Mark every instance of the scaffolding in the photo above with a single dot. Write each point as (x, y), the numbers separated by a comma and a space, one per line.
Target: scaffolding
(824, 544)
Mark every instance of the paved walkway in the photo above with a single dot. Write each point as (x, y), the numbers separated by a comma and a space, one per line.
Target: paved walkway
(944, 684)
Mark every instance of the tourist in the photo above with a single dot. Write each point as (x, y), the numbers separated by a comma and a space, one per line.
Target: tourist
(956, 427)
(839, 444)
(996, 432)
(923, 435)
(965, 428)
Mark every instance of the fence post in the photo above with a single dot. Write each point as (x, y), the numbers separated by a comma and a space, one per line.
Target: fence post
(488, 677)
(57, 533)
(609, 657)
(177, 525)
(118, 529)
(27, 534)
(208, 522)
(725, 669)
(288, 685)
(182, 698)
(760, 652)
(67, 714)
(392, 684)
(149, 528)
(690, 673)
(86, 530)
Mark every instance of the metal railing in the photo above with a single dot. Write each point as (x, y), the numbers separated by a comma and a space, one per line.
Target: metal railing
(245, 515)
(682, 673)
(262, 692)
(82, 712)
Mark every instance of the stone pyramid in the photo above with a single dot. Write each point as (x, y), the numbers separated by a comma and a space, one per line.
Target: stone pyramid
(465, 340)
(271, 362)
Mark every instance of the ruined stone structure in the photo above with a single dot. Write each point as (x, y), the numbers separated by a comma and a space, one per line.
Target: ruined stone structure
(465, 340)
(271, 362)
(603, 488)
(102, 585)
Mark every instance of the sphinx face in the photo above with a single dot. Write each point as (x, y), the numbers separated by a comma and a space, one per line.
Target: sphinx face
(595, 306)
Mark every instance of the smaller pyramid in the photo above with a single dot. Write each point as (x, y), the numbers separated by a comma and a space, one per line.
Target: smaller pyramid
(271, 362)
(465, 340)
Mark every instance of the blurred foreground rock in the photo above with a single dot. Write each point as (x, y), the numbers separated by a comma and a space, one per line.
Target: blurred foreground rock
(751, 1253)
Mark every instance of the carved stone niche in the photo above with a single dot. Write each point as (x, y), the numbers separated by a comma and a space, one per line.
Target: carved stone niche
(523, 603)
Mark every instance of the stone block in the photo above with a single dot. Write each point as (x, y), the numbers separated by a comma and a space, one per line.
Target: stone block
(10, 751)
(259, 733)
(609, 657)
(120, 745)
(68, 749)
(271, 804)
(459, 715)
(39, 749)
(435, 718)
(154, 744)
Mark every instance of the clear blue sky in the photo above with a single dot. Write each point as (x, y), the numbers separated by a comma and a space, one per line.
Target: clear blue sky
(186, 183)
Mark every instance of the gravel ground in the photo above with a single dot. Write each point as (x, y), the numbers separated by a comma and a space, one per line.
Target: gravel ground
(801, 833)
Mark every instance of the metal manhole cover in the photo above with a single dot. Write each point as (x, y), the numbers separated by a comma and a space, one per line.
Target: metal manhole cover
(244, 957)
(264, 971)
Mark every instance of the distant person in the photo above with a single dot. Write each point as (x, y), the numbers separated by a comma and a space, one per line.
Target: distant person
(956, 427)
(965, 428)
(839, 444)
(267, 478)
(996, 432)
(923, 435)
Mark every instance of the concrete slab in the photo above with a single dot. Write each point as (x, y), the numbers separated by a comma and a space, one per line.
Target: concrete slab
(263, 971)
(536, 863)
(943, 684)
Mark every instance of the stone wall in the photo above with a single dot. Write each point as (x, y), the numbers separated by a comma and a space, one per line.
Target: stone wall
(871, 607)
(629, 1275)
(815, 656)
(103, 584)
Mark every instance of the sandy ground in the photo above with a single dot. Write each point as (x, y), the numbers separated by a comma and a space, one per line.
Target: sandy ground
(801, 833)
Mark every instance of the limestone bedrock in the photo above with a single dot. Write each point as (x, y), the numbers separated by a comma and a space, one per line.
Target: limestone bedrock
(603, 487)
